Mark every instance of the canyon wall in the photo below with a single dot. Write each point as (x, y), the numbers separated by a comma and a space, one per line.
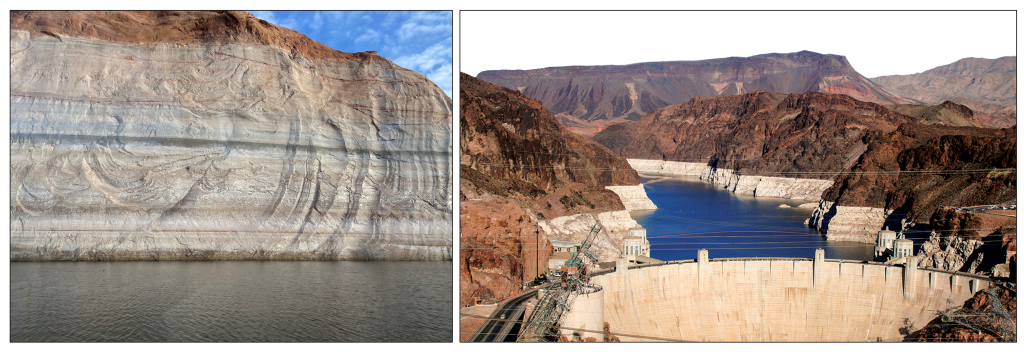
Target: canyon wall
(607, 246)
(521, 172)
(762, 186)
(866, 160)
(845, 223)
(668, 167)
(765, 186)
(633, 197)
(215, 135)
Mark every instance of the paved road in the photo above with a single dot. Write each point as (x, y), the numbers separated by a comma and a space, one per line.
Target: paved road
(497, 329)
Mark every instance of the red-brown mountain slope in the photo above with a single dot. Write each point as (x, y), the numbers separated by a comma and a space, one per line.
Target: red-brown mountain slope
(588, 98)
(865, 148)
(517, 165)
(985, 85)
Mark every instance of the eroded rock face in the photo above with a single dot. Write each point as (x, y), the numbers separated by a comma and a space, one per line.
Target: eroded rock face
(765, 186)
(633, 197)
(845, 223)
(234, 141)
(668, 167)
(586, 99)
(607, 245)
(985, 85)
(514, 154)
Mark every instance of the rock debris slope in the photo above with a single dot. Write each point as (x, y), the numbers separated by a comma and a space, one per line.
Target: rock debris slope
(216, 135)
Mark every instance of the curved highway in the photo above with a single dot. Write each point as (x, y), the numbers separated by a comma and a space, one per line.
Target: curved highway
(505, 318)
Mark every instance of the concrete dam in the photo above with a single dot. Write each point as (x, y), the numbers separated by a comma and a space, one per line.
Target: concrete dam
(768, 299)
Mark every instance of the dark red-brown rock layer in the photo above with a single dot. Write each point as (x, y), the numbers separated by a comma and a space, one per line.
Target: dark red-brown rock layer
(588, 98)
(875, 155)
(517, 165)
(182, 27)
(959, 157)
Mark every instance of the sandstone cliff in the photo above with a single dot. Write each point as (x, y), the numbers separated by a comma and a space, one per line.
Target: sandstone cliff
(519, 171)
(216, 135)
(985, 85)
(870, 164)
(586, 99)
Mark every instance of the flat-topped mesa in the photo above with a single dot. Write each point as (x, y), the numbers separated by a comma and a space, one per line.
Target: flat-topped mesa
(586, 99)
(213, 135)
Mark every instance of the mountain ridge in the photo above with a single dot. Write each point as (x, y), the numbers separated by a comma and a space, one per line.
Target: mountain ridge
(588, 98)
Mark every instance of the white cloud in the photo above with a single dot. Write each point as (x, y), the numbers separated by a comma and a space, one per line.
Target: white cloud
(390, 18)
(437, 54)
(435, 62)
(317, 21)
(370, 36)
(442, 77)
(425, 23)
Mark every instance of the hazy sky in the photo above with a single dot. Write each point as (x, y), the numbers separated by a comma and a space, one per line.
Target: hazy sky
(415, 40)
(875, 42)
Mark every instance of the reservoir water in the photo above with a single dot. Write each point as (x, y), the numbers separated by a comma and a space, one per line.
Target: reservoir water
(231, 301)
(694, 215)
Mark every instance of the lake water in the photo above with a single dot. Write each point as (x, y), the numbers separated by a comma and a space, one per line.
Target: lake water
(694, 215)
(231, 301)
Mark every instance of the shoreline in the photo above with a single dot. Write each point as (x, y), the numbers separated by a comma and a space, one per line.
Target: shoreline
(837, 223)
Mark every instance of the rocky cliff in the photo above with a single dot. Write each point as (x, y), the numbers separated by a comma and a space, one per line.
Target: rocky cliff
(216, 135)
(519, 171)
(985, 85)
(870, 164)
(586, 99)
(971, 242)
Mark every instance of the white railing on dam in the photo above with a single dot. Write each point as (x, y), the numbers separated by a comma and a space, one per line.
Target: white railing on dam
(778, 299)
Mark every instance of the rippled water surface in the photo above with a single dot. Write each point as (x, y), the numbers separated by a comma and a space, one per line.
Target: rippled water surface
(231, 301)
(692, 215)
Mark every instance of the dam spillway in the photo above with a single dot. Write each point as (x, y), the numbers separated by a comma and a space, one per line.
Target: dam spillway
(776, 300)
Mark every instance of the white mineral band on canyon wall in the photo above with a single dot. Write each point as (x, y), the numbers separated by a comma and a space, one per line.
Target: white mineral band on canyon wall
(758, 186)
(633, 197)
(615, 226)
(840, 223)
(667, 167)
(167, 151)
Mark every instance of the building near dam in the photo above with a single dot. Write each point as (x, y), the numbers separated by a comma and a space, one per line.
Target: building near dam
(768, 299)
(892, 246)
(636, 244)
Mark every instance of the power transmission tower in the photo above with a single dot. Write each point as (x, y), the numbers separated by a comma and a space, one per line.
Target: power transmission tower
(542, 326)
(996, 320)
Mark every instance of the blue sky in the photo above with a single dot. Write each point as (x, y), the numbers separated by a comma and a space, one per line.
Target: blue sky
(415, 40)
